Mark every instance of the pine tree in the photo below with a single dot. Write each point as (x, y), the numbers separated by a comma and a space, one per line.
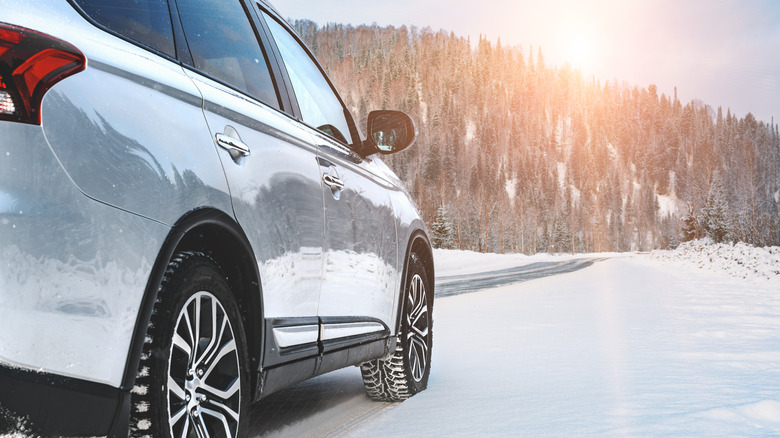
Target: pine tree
(690, 227)
(443, 235)
(560, 235)
(715, 215)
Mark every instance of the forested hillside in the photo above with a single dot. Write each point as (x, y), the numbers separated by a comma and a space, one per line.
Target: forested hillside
(515, 155)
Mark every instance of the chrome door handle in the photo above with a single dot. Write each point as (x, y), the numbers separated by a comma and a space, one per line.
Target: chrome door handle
(334, 182)
(236, 148)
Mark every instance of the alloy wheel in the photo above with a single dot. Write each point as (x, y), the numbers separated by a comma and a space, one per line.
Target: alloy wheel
(417, 323)
(204, 384)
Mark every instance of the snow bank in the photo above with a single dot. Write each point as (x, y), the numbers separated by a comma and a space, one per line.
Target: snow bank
(738, 260)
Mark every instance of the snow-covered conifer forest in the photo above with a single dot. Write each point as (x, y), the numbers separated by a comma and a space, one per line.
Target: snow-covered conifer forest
(514, 155)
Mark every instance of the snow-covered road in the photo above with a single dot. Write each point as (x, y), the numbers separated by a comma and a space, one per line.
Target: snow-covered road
(449, 285)
(630, 346)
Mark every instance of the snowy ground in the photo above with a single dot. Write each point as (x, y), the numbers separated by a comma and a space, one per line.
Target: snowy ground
(630, 346)
(640, 345)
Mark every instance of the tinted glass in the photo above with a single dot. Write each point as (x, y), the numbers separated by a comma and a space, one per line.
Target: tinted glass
(145, 21)
(320, 107)
(224, 45)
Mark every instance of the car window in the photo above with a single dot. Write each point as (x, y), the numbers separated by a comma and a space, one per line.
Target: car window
(320, 107)
(224, 45)
(145, 21)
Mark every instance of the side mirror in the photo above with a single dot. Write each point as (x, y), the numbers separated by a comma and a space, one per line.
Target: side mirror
(389, 132)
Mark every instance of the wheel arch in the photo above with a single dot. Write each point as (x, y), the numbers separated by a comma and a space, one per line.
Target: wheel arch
(217, 235)
(420, 245)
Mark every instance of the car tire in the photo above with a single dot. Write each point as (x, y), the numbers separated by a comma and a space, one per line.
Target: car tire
(182, 383)
(405, 372)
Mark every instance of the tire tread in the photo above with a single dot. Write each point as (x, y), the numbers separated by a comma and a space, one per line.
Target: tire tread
(387, 379)
(141, 414)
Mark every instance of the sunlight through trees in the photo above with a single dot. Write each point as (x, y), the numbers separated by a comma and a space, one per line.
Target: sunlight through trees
(525, 157)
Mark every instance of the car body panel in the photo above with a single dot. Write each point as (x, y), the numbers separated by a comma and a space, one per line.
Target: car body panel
(74, 270)
(360, 266)
(409, 227)
(153, 159)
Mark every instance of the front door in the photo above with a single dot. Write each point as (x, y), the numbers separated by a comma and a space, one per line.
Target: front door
(358, 283)
(359, 273)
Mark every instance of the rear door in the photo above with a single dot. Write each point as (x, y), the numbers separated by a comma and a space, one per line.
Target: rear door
(360, 250)
(271, 168)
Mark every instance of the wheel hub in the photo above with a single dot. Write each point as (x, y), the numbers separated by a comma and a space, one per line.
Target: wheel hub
(193, 397)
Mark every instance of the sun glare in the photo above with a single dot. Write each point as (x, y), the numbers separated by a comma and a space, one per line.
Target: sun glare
(580, 52)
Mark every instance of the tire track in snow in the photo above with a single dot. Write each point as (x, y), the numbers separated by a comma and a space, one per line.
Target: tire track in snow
(325, 406)
(460, 284)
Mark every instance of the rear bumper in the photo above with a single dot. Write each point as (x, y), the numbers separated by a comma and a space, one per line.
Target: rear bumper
(49, 404)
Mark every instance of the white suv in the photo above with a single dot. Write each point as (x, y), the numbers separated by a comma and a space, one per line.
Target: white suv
(190, 220)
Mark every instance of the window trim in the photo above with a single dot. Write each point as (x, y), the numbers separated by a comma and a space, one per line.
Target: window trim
(281, 79)
(354, 132)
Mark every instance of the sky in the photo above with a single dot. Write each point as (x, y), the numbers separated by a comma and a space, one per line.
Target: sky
(724, 53)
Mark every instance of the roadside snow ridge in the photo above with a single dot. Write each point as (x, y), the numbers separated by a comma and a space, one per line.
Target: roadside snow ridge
(738, 260)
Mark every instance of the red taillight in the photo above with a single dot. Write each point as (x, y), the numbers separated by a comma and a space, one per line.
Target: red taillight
(30, 64)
